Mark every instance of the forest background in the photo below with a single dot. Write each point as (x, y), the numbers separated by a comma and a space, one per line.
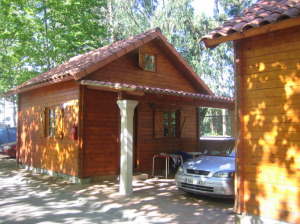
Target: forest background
(37, 35)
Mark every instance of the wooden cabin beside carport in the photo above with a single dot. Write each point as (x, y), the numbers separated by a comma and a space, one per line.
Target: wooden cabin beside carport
(119, 100)
(266, 40)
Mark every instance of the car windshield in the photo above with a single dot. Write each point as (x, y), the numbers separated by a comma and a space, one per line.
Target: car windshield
(224, 148)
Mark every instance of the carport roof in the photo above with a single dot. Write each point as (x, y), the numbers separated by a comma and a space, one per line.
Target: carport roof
(132, 87)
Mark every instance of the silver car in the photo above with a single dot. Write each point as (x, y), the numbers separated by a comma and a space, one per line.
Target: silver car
(212, 173)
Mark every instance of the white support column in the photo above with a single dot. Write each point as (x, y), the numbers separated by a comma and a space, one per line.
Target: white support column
(126, 139)
(232, 122)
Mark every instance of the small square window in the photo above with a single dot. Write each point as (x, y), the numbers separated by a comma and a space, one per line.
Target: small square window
(149, 62)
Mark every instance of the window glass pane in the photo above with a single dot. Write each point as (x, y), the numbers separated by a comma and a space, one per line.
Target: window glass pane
(50, 113)
(166, 132)
(50, 121)
(151, 66)
(146, 65)
(173, 115)
(166, 123)
(173, 130)
(50, 132)
(173, 123)
(146, 57)
(166, 115)
(151, 59)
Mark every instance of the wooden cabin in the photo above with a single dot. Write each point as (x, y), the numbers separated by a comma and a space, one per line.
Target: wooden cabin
(107, 112)
(266, 40)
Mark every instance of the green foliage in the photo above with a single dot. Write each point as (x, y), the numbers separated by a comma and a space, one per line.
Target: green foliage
(36, 36)
(211, 123)
(184, 30)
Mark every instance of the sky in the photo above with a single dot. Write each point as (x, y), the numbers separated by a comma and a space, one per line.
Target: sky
(206, 6)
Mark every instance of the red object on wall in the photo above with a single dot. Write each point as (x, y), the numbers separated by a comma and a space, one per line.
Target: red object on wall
(74, 132)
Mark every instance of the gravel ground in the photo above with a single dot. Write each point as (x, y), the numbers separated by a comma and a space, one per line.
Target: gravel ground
(27, 197)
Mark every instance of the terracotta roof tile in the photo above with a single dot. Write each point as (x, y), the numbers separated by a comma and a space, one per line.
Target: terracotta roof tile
(79, 66)
(259, 14)
(132, 87)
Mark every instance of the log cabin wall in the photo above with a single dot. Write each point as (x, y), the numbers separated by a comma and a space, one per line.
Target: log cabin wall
(269, 108)
(101, 133)
(55, 154)
(101, 125)
(148, 146)
(126, 70)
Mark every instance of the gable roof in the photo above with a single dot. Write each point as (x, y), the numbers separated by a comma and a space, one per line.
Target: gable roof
(80, 66)
(262, 17)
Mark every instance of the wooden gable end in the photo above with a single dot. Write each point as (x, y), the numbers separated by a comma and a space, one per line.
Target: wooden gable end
(129, 69)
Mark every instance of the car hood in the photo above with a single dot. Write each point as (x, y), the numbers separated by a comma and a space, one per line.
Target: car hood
(211, 163)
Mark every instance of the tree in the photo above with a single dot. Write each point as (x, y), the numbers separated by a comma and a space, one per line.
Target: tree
(35, 36)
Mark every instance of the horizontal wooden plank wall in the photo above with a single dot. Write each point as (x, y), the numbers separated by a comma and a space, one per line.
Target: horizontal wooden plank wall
(149, 146)
(59, 155)
(271, 109)
(101, 151)
(101, 140)
(126, 70)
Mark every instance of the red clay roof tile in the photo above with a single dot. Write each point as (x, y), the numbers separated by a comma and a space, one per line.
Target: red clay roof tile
(79, 66)
(259, 14)
(126, 86)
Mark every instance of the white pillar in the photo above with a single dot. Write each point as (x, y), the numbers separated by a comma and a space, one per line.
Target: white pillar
(126, 139)
(232, 122)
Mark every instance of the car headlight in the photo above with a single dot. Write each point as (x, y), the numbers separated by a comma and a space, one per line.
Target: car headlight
(180, 169)
(224, 174)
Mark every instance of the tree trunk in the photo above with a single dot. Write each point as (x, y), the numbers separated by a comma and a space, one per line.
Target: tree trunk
(224, 121)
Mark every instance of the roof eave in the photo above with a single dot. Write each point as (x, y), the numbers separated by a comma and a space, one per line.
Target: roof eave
(134, 88)
(36, 85)
(212, 43)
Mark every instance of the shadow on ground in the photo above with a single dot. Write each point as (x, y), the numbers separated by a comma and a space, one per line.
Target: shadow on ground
(27, 197)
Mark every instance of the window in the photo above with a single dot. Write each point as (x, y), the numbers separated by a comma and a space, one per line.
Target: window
(147, 61)
(170, 123)
(51, 122)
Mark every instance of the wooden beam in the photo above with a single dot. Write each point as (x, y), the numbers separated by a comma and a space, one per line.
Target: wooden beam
(198, 128)
(211, 43)
(81, 130)
(38, 85)
(138, 93)
(239, 169)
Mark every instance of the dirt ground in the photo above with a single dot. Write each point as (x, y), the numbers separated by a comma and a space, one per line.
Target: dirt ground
(27, 197)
